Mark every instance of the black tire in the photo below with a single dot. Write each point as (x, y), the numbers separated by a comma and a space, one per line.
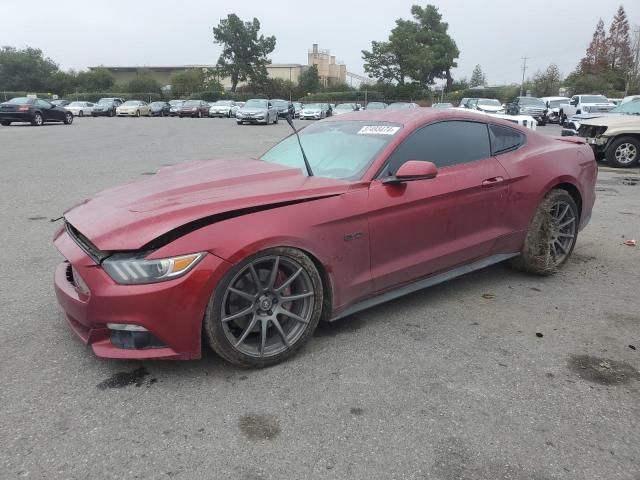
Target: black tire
(561, 118)
(199, 114)
(137, 113)
(111, 113)
(543, 122)
(68, 118)
(240, 123)
(620, 157)
(38, 120)
(222, 335)
(162, 113)
(276, 120)
(4, 123)
(537, 254)
(81, 113)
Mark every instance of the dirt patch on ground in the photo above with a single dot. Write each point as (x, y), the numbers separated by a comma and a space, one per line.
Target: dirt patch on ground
(602, 370)
(257, 426)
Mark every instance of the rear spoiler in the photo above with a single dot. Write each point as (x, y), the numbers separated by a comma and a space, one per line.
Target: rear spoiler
(572, 139)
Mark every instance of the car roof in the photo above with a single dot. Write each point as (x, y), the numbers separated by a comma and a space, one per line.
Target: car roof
(415, 117)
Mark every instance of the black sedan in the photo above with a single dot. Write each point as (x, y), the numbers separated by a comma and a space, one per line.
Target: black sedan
(284, 108)
(34, 111)
(159, 109)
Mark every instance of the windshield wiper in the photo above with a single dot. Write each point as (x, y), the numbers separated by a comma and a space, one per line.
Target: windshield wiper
(304, 155)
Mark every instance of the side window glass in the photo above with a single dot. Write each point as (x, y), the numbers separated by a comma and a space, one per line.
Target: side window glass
(504, 139)
(43, 104)
(444, 143)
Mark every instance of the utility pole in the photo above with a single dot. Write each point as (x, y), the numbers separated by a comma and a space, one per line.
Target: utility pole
(524, 69)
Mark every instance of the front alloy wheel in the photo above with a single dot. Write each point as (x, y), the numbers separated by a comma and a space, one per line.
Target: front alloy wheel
(68, 118)
(265, 309)
(623, 152)
(37, 120)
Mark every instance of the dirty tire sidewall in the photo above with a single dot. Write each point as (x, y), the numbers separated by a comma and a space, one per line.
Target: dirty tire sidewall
(213, 324)
(536, 255)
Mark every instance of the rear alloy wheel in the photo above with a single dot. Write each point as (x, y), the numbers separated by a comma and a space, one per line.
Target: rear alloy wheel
(623, 152)
(68, 118)
(265, 308)
(4, 123)
(37, 120)
(552, 235)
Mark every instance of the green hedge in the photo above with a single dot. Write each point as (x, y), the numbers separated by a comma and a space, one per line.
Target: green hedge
(4, 96)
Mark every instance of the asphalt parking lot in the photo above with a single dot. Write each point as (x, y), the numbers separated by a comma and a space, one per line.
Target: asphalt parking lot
(496, 375)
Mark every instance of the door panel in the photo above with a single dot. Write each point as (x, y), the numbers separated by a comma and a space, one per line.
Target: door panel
(421, 227)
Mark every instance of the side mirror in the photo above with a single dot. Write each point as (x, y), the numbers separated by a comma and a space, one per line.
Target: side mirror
(412, 170)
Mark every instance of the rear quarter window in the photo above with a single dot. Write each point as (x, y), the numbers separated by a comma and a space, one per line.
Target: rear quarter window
(504, 139)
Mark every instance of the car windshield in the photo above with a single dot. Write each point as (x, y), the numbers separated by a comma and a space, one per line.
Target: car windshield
(594, 99)
(279, 103)
(341, 150)
(191, 103)
(531, 101)
(20, 100)
(557, 103)
(255, 103)
(76, 104)
(399, 105)
(297, 104)
(157, 104)
(105, 102)
(491, 102)
(175, 103)
(224, 103)
(345, 106)
(629, 108)
(131, 103)
(312, 106)
(375, 105)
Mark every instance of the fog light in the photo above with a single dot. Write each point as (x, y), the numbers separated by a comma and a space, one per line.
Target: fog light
(133, 339)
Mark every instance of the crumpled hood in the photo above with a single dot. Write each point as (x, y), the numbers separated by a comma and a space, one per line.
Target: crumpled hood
(587, 116)
(132, 215)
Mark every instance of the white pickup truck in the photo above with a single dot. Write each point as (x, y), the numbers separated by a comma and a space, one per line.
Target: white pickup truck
(584, 104)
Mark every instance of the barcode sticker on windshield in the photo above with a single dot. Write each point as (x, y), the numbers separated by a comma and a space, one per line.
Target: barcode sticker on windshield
(378, 130)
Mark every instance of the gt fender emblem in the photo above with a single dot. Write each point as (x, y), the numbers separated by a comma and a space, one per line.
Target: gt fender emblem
(352, 236)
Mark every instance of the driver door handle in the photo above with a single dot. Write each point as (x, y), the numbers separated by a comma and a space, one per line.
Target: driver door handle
(490, 182)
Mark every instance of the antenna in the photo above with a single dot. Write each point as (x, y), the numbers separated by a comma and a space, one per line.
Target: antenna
(304, 155)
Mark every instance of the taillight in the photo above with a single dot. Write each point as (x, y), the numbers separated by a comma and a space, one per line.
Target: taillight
(24, 108)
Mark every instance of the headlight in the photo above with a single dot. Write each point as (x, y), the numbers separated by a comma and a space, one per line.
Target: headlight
(128, 269)
(523, 109)
(600, 130)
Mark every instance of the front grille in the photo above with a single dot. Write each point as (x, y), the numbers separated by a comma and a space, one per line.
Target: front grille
(85, 244)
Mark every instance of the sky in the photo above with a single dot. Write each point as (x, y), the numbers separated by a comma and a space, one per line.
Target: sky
(493, 33)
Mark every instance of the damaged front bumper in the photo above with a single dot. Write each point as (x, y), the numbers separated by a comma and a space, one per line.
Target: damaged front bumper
(156, 320)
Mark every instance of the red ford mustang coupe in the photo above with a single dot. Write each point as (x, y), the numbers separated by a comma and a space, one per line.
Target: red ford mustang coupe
(253, 253)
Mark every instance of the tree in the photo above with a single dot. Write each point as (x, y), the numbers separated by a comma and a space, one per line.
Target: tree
(595, 61)
(63, 83)
(96, 80)
(143, 83)
(619, 43)
(478, 78)
(420, 50)
(25, 69)
(309, 81)
(187, 82)
(244, 54)
(547, 83)
(385, 63)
